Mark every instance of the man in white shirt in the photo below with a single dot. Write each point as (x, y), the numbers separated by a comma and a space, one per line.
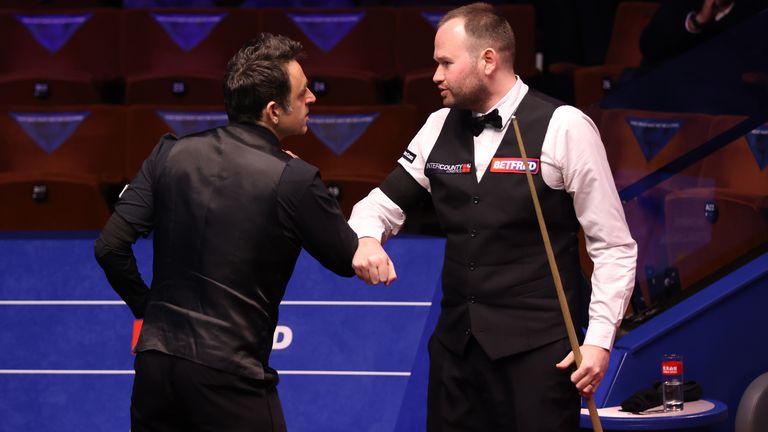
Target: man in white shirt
(499, 357)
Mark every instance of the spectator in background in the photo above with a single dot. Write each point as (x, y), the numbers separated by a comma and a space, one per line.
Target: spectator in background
(679, 25)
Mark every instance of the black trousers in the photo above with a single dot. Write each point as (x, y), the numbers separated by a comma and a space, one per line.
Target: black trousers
(520, 393)
(174, 394)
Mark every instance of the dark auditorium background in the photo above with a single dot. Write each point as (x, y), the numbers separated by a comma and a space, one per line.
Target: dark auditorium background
(87, 87)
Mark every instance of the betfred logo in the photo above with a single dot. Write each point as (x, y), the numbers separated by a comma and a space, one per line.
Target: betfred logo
(672, 368)
(514, 165)
(441, 168)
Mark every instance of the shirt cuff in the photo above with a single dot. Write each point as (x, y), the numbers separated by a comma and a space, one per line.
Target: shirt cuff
(376, 216)
(600, 334)
(366, 224)
(367, 232)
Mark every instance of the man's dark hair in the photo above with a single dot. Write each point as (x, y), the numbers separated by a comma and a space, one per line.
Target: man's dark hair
(486, 28)
(256, 75)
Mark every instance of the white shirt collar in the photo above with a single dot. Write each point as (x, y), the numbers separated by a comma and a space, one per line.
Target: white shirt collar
(507, 105)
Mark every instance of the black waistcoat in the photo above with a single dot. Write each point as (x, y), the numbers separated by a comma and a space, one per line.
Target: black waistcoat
(497, 284)
(221, 258)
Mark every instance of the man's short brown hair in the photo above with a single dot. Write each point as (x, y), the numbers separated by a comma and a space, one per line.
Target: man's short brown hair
(486, 28)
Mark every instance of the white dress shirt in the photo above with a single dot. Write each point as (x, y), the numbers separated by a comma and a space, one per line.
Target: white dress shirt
(572, 159)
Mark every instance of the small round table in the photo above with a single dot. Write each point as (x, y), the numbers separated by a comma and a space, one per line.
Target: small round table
(698, 413)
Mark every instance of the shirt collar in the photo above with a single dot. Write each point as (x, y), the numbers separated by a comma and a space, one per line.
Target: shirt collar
(507, 105)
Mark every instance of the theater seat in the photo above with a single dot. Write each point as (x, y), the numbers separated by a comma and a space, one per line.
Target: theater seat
(147, 123)
(591, 82)
(638, 143)
(350, 59)
(59, 56)
(726, 215)
(42, 89)
(136, 4)
(51, 202)
(334, 86)
(355, 147)
(55, 4)
(420, 91)
(179, 56)
(83, 140)
(752, 413)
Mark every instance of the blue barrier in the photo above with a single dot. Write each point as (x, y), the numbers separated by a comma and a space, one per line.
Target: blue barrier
(718, 330)
(351, 356)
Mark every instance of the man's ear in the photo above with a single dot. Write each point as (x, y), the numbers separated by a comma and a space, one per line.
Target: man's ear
(271, 113)
(490, 59)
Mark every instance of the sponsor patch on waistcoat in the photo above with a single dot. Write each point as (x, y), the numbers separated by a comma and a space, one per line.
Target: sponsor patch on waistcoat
(444, 168)
(514, 165)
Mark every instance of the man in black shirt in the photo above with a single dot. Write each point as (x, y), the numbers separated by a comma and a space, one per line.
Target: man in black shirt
(230, 212)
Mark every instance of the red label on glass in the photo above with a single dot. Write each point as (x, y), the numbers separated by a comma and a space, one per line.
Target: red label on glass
(672, 368)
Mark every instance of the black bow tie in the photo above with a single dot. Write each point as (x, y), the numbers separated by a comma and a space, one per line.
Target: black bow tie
(477, 124)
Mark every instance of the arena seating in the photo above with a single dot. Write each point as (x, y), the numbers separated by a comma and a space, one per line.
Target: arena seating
(726, 214)
(39, 201)
(59, 56)
(179, 56)
(349, 50)
(64, 139)
(591, 82)
(638, 143)
(147, 123)
(355, 147)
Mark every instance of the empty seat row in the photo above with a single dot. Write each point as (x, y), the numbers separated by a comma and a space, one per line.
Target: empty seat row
(51, 202)
(178, 56)
(700, 217)
(47, 4)
(49, 153)
(591, 82)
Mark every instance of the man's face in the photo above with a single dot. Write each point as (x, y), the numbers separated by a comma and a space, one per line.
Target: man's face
(459, 71)
(294, 120)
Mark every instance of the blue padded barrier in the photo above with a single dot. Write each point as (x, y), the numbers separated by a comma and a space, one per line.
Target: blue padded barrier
(719, 331)
(352, 357)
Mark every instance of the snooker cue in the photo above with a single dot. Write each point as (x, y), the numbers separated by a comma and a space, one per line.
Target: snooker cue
(596, 425)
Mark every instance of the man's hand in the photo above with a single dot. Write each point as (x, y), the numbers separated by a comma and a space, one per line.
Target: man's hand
(372, 264)
(710, 9)
(594, 362)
